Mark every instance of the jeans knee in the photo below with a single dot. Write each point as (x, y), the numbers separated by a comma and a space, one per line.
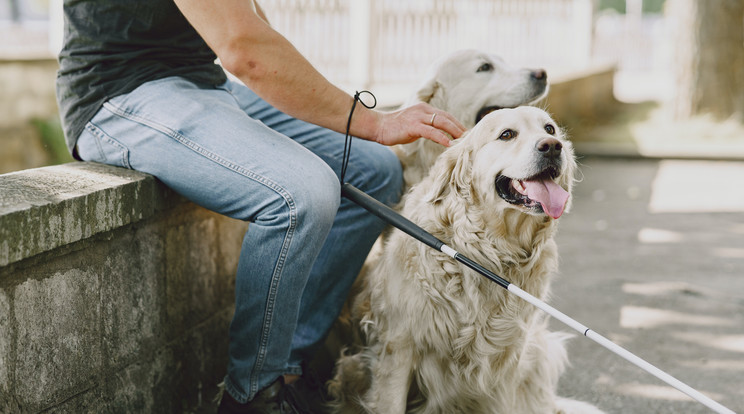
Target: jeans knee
(317, 199)
(303, 202)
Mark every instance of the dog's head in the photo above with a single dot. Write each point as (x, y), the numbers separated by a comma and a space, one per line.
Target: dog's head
(469, 84)
(514, 159)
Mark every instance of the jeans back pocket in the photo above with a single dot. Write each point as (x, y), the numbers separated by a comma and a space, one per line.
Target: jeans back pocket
(95, 145)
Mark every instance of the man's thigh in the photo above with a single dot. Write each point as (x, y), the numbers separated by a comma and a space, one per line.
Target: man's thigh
(203, 145)
(370, 164)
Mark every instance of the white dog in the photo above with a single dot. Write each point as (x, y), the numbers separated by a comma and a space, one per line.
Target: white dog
(468, 84)
(436, 336)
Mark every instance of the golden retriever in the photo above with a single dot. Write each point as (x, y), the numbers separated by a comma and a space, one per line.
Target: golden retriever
(468, 84)
(436, 337)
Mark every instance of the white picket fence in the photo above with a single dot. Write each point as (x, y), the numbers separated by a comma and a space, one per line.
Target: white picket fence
(389, 43)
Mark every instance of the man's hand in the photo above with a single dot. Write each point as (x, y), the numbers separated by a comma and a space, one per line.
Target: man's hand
(418, 121)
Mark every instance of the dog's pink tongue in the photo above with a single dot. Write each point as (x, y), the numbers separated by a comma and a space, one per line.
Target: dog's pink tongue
(551, 195)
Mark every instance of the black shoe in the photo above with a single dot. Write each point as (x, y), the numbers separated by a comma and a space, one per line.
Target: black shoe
(311, 387)
(277, 398)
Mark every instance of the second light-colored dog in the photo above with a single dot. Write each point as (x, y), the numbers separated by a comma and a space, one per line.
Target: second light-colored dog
(468, 84)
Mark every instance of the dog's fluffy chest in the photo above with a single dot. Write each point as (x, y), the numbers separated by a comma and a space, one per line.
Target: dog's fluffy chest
(465, 327)
(452, 309)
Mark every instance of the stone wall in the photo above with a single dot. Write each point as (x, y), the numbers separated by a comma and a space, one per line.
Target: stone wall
(115, 293)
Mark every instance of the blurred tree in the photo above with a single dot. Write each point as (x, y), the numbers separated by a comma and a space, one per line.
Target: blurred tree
(709, 58)
(15, 10)
(649, 6)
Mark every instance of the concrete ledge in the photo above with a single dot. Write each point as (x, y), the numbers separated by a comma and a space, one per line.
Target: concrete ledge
(115, 293)
(45, 208)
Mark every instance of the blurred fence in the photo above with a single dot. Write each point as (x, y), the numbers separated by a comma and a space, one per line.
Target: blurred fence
(387, 42)
(636, 43)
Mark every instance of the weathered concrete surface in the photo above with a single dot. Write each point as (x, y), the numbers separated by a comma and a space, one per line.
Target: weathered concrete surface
(115, 293)
(45, 208)
(654, 260)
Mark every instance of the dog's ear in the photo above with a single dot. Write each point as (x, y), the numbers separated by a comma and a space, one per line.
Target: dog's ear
(451, 174)
(428, 90)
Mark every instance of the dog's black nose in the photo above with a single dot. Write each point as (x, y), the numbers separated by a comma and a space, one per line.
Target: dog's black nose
(549, 147)
(539, 74)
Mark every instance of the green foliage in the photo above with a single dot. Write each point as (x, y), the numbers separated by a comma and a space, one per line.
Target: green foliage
(649, 6)
(617, 5)
(53, 140)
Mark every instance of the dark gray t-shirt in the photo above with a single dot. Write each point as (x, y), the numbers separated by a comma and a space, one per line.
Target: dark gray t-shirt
(113, 46)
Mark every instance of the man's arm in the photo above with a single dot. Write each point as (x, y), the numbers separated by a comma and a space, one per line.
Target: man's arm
(267, 63)
(260, 12)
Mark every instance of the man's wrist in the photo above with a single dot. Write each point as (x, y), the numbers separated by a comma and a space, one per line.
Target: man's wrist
(366, 123)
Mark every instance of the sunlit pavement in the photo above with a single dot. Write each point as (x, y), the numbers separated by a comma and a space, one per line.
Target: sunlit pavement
(652, 257)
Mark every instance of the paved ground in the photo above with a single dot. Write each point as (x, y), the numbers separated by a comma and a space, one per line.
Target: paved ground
(652, 257)
(649, 260)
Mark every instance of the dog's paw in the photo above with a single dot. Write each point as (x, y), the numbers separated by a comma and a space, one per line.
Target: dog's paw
(351, 381)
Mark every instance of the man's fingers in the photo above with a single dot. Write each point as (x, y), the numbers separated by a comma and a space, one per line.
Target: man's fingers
(436, 135)
(419, 121)
(453, 127)
(447, 123)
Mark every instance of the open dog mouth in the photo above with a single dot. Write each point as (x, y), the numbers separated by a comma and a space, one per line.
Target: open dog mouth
(539, 193)
(485, 111)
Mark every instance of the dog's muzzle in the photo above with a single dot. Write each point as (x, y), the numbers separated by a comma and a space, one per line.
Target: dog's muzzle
(538, 194)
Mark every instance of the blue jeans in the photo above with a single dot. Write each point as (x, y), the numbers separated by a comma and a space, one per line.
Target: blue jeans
(228, 150)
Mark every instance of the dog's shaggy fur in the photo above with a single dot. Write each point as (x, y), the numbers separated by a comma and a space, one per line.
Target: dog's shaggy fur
(468, 84)
(436, 337)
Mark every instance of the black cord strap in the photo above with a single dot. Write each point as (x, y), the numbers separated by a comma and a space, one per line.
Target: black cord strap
(347, 139)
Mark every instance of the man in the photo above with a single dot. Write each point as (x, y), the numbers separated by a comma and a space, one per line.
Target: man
(138, 88)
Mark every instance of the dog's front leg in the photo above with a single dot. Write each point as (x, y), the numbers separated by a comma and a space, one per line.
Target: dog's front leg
(391, 380)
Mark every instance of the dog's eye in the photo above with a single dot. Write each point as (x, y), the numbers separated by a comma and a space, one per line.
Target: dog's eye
(550, 129)
(486, 67)
(507, 135)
